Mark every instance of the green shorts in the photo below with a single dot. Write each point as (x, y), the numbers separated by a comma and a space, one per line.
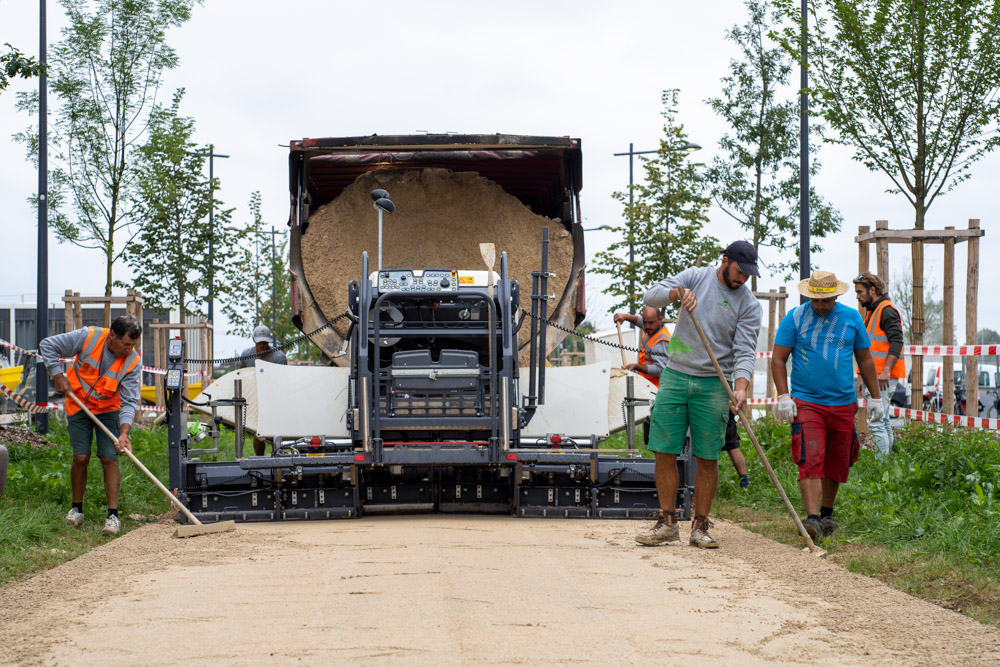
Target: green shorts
(685, 401)
(81, 434)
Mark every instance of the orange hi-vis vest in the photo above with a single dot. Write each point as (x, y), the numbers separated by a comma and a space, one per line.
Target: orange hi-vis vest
(100, 393)
(646, 354)
(880, 342)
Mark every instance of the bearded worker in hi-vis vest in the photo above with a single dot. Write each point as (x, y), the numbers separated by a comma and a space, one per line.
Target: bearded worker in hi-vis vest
(104, 374)
(652, 350)
(885, 329)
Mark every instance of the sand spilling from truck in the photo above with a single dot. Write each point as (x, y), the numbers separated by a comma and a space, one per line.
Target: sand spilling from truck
(441, 218)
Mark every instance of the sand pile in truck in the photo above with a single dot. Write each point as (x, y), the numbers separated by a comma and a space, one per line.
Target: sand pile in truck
(441, 218)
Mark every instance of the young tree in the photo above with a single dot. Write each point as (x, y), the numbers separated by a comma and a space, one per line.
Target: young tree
(169, 257)
(664, 223)
(105, 74)
(911, 87)
(258, 285)
(14, 64)
(901, 295)
(755, 179)
(244, 281)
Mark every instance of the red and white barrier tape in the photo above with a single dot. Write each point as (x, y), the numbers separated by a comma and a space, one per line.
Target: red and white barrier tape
(36, 408)
(936, 351)
(22, 402)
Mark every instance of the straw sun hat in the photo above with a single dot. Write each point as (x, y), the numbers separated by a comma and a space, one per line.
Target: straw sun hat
(822, 285)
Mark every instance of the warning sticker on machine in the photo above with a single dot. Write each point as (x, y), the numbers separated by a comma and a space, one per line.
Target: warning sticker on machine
(466, 280)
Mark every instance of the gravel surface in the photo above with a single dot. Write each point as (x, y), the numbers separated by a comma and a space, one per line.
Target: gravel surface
(458, 589)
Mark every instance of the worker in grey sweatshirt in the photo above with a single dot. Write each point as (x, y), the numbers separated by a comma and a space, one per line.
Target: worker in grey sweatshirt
(691, 394)
(104, 375)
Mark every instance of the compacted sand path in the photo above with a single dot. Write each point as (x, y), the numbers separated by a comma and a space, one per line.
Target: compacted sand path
(458, 589)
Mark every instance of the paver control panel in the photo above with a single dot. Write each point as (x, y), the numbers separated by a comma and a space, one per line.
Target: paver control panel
(408, 280)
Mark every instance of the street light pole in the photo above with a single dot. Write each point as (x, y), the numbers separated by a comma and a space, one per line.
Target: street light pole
(211, 235)
(804, 259)
(689, 147)
(42, 302)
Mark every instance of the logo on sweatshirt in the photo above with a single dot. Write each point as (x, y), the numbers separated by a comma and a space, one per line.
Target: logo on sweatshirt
(676, 347)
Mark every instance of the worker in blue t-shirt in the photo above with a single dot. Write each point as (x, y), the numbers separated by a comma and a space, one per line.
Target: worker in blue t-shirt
(824, 339)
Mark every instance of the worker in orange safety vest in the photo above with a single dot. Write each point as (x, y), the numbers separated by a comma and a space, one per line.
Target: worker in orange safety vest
(104, 374)
(652, 349)
(885, 329)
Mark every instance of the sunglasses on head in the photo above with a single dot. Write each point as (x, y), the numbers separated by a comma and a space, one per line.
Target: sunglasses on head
(864, 279)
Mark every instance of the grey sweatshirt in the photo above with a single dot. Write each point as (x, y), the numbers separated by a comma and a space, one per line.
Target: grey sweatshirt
(730, 319)
(67, 345)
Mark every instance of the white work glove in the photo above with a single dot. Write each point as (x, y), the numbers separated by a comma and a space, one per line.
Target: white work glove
(875, 410)
(786, 409)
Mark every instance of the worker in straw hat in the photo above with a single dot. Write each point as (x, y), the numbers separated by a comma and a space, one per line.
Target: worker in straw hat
(822, 336)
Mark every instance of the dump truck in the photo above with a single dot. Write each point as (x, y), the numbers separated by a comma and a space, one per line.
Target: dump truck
(454, 192)
(435, 272)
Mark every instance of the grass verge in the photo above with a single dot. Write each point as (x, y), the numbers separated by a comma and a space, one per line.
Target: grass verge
(33, 535)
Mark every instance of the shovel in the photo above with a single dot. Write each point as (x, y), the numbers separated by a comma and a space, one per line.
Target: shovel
(621, 344)
(813, 549)
(197, 527)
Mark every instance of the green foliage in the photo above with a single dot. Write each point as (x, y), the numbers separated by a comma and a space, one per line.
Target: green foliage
(169, 257)
(14, 64)
(938, 491)
(258, 284)
(664, 223)
(755, 179)
(910, 86)
(105, 74)
(33, 534)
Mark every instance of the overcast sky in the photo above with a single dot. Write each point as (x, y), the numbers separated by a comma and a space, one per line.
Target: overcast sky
(260, 73)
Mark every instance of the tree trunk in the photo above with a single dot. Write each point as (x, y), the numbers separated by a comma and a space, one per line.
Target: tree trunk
(917, 318)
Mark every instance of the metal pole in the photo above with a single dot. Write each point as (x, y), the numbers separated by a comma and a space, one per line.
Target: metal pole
(631, 234)
(211, 236)
(42, 301)
(274, 288)
(380, 239)
(804, 259)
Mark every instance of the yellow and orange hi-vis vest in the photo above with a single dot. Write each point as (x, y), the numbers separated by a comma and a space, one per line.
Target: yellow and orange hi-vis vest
(100, 393)
(645, 357)
(880, 342)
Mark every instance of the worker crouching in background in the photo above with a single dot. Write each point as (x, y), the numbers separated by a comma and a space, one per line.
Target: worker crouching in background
(105, 377)
(691, 394)
(822, 336)
(263, 349)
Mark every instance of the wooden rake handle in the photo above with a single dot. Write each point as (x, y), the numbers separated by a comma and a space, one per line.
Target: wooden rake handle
(138, 464)
(621, 344)
(746, 425)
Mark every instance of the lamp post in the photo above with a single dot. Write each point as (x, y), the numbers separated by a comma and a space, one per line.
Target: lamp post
(211, 233)
(42, 302)
(690, 148)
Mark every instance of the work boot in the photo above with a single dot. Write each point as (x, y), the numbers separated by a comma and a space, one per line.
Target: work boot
(111, 526)
(829, 525)
(75, 518)
(664, 532)
(814, 527)
(699, 534)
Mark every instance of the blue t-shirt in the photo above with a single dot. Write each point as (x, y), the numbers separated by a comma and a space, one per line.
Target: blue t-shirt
(823, 352)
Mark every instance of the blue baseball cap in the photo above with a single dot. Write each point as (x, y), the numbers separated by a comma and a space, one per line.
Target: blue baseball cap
(745, 256)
